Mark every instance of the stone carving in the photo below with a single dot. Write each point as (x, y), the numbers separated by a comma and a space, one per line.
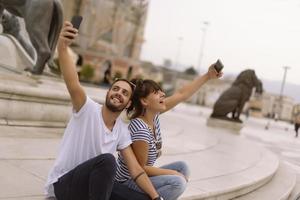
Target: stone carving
(11, 26)
(43, 20)
(119, 27)
(233, 100)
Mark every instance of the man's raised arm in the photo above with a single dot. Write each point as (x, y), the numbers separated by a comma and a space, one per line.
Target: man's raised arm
(68, 67)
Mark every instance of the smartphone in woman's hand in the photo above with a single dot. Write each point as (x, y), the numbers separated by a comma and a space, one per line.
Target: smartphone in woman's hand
(218, 66)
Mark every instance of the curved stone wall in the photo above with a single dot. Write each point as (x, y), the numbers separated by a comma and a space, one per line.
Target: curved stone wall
(26, 101)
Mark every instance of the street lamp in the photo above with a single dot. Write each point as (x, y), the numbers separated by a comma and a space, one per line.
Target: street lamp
(285, 68)
(202, 44)
(278, 111)
(180, 39)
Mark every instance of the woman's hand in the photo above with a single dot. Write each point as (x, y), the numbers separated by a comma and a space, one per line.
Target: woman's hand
(67, 35)
(212, 72)
(179, 174)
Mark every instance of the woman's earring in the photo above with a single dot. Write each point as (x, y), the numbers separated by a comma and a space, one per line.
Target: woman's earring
(144, 111)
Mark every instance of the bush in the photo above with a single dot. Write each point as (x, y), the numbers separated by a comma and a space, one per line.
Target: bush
(118, 74)
(87, 72)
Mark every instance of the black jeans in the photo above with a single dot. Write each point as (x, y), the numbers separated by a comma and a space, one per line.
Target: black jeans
(91, 180)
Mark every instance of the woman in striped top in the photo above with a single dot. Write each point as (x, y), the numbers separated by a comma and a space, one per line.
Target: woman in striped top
(148, 102)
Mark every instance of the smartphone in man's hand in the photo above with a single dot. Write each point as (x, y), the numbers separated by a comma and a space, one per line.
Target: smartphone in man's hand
(218, 66)
(76, 21)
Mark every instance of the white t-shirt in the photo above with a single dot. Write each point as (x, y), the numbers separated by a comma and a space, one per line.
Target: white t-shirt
(86, 137)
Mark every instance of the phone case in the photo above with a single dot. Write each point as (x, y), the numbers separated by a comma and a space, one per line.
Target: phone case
(76, 21)
(218, 66)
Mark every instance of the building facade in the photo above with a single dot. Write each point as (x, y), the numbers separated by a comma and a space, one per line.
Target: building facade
(266, 105)
(278, 107)
(296, 113)
(208, 94)
(111, 30)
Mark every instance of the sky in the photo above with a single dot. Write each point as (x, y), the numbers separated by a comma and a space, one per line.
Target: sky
(263, 35)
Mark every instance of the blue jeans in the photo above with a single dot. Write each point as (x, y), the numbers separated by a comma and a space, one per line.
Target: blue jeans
(170, 187)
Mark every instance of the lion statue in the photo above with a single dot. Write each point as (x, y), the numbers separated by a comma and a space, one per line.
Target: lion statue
(233, 99)
(43, 21)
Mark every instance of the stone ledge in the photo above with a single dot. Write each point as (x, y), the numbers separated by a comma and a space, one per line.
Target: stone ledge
(36, 99)
(23, 123)
(241, 182)
(24, 99)
(278, 188)
(295, 195)
(32, 111)
(34, 92)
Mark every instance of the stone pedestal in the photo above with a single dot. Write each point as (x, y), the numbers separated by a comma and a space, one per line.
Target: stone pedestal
(28, 100)
(13, 55)
(219, 123)
(37, 101)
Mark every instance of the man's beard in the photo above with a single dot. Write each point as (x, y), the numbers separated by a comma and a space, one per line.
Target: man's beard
(112, 107)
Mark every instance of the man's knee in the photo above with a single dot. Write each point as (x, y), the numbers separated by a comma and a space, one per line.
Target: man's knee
(107, 163)
(108, 158)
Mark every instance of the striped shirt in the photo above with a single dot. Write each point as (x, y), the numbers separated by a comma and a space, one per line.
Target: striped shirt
(140, 131)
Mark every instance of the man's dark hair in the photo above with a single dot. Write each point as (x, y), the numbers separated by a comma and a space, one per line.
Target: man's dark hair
(131, 84)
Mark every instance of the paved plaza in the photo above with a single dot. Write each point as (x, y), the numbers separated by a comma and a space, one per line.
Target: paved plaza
(221, 162)
(255, 163)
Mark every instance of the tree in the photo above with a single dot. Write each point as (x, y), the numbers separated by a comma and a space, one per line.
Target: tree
(191, 71)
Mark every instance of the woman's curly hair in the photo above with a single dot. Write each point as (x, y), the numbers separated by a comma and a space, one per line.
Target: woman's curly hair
(142, 89)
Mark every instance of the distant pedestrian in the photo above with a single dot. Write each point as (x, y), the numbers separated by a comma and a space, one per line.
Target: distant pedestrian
(107, 80)
(129, 73)
(297, 124)
(297, 128)
(79, 61)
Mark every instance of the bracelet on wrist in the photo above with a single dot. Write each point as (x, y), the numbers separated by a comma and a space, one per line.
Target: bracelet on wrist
(140, 174)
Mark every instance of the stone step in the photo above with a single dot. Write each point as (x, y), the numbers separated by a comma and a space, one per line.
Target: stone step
(30, 123)
(295, 195)
(37, 101)
(278, 188)
(224, 165)
(236, 184)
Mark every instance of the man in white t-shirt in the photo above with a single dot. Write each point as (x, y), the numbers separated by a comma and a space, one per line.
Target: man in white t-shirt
(85, 167)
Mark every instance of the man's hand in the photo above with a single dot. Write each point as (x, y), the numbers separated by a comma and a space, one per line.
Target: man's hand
(67, 35)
